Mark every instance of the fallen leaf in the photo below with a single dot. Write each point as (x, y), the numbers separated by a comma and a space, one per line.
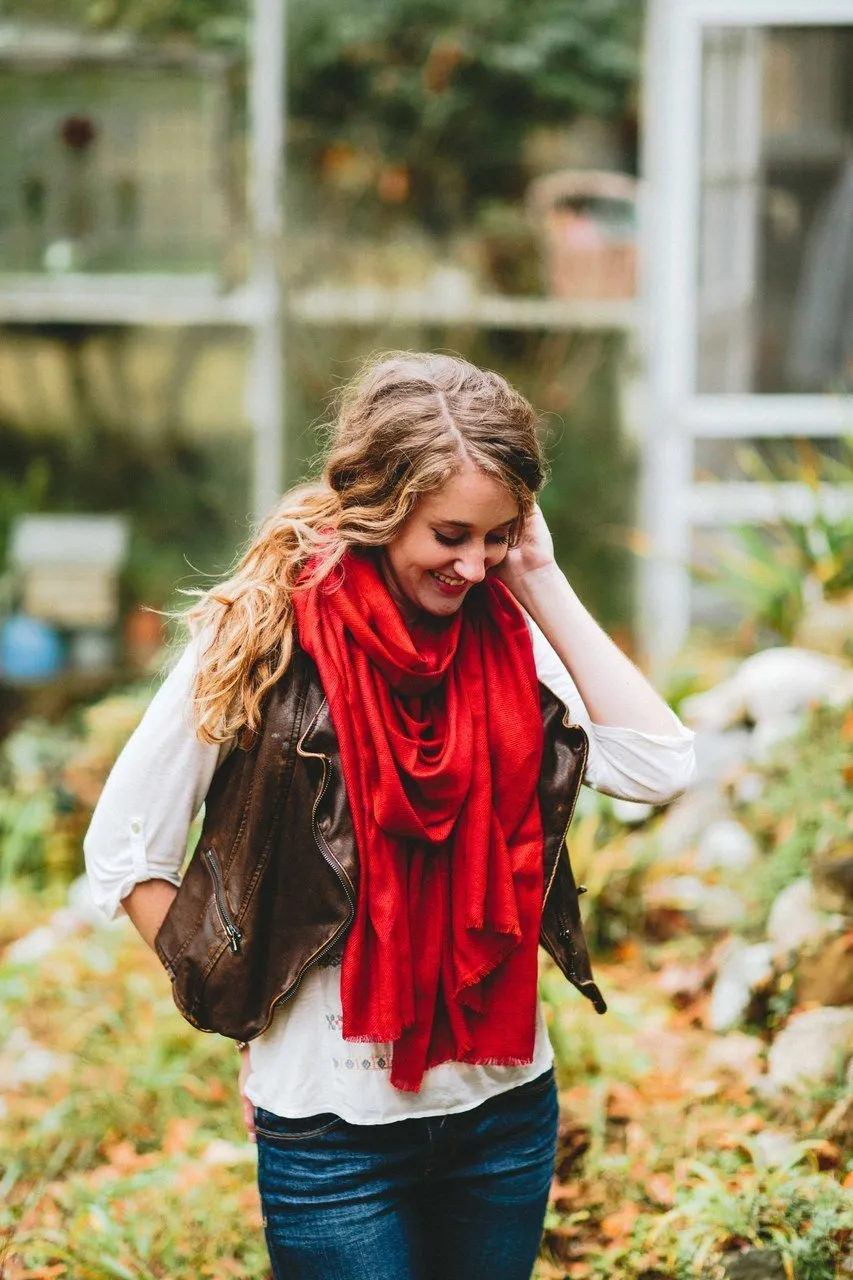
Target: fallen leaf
(621, 1223)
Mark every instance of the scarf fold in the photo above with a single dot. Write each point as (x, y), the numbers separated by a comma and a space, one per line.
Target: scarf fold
(440, 736)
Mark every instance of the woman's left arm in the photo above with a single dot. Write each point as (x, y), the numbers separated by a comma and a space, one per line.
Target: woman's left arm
(613, 690)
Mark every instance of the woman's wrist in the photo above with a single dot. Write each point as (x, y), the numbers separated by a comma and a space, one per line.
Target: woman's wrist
(536, 584)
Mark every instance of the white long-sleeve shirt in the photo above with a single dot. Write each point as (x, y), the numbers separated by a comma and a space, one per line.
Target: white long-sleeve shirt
(301, 1065)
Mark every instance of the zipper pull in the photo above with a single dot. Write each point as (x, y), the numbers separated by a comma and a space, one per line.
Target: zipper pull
(235, 937)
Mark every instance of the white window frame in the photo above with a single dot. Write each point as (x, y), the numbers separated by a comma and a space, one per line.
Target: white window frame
(669, 228)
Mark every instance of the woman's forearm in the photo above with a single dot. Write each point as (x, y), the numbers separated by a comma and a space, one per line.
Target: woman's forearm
(614, 691)
(147, 904)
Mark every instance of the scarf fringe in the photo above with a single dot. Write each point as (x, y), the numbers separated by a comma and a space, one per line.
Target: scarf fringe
(407, 1086)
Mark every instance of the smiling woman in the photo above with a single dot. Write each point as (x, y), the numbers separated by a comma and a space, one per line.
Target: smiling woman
(386, 711)
(438, 556)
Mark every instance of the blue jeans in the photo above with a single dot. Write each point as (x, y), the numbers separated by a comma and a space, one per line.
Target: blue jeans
(457, 1197)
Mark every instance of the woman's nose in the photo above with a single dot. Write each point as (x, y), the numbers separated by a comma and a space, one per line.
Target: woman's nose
(471, 566)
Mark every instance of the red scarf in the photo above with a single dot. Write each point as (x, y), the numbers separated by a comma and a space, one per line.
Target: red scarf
(440, 736)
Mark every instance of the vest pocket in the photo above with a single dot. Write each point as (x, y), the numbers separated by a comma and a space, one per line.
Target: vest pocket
(232, 932)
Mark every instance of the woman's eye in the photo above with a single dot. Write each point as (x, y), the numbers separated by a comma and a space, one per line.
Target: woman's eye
(500, 538)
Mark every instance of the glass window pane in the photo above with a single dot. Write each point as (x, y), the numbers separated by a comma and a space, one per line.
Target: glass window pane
(775, 253)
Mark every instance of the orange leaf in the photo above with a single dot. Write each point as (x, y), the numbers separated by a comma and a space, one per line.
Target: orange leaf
(179, 1134)
(122, 1155)
(661, 1189)
(620, 1223)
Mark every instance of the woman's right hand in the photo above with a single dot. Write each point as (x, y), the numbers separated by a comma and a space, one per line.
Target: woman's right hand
(248, 1107)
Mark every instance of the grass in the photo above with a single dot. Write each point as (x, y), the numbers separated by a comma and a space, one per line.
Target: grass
(122, 1150)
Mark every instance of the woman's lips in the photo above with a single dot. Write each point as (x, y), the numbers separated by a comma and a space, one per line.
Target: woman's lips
(447, 588)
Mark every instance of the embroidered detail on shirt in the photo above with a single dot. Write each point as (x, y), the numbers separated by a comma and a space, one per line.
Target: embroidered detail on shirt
(371, 1062)
(334, 1021)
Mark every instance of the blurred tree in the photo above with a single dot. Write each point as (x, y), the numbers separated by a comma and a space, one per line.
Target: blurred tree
(418, 104)
(428, 102)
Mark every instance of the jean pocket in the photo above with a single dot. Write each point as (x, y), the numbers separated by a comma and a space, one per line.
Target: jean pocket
(274, 1128)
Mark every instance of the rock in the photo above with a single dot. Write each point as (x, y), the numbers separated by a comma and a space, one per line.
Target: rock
(832, 871)
(726, 845)
(809, 1047)
(32, 947)
(754, 1264)
(841, 693)
(749, 787)
(742, 969)
(768, 734)
(775, 1144)
(220, 1151)
(686, 819)
(23, 1061)
(772, 683)
(684, 893)
(712, 907)
(737, 1054)
(632, 812)
(795, 918)
(720, 909)
(825, 975)
(718, 753)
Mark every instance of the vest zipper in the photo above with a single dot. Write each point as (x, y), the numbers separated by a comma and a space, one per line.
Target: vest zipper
(571, 815)
(234, 935)
(346, 883)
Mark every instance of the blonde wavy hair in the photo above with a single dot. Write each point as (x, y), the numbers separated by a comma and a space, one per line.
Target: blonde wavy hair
(404, 426)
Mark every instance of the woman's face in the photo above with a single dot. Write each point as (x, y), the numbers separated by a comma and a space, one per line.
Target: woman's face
(448, 544)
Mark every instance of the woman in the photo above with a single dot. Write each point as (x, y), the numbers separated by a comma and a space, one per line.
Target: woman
(393, 701)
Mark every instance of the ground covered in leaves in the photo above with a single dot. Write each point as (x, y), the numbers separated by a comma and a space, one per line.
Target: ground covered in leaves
(122, 1152)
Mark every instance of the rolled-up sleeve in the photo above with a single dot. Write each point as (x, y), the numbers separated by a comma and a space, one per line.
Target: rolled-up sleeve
(624, 763)
(141, 823)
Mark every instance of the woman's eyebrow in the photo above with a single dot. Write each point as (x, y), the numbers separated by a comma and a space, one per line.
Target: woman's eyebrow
(464, 524)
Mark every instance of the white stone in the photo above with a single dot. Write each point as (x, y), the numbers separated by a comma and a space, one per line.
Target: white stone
(795, 919)
(772, 683)
(749, 787)
(720, 752)
(720, 909)
(807, 1049)
(32, 947)
(770, 733)
(683, 893)
(23, 1061)
(841, 693)
(726, 845)
(775, 1145)
(221, 1152)
(742, 969)
(686, 819)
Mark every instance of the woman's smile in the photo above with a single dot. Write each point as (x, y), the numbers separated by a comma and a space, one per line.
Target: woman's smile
(449, 543)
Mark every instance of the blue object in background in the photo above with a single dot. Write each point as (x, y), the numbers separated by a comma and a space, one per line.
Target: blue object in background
(30, 650)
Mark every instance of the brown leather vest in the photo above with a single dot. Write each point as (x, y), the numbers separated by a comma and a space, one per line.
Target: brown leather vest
(271, 886)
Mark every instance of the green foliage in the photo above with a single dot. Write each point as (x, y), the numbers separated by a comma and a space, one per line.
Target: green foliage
(186, 502)
(773, 573)
(126, 1157)
(804, 808)
(211, 22)
(449, 91)
(803, 1214)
